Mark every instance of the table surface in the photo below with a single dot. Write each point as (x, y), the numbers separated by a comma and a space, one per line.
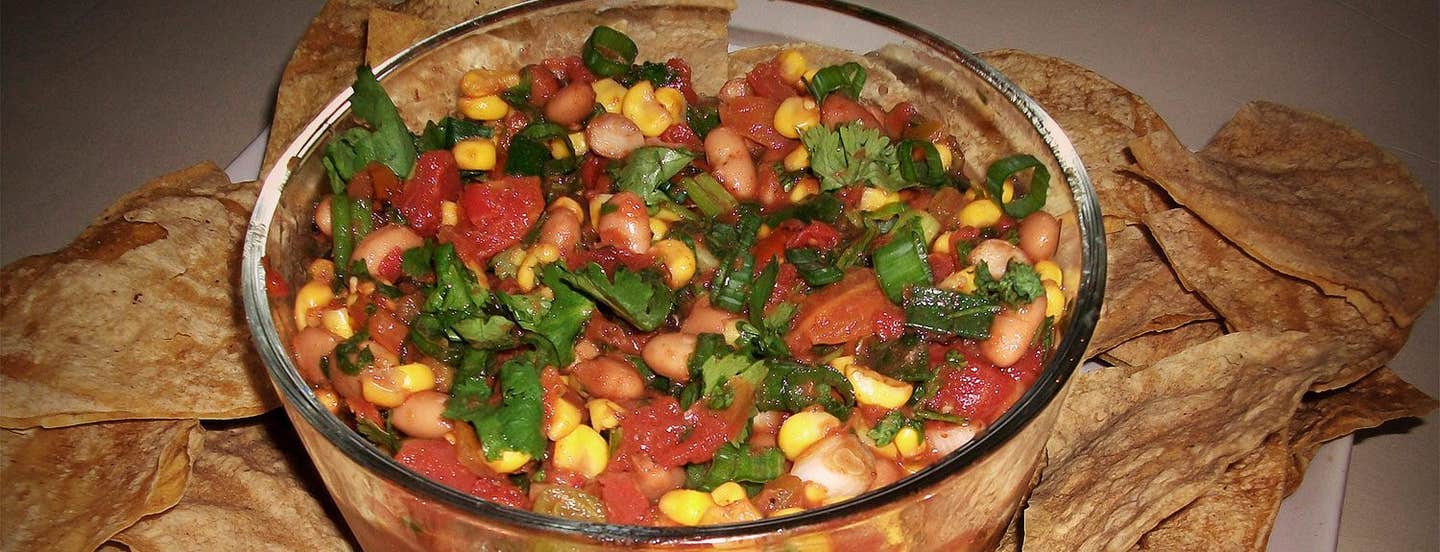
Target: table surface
(98, 96)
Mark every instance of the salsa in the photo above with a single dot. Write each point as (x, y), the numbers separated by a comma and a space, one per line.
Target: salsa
(592, 293)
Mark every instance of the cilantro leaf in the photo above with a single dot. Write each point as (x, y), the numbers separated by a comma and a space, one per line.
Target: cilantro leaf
(852, 155)
(735, 462)
(950, 312)
(514, 423)
(487, 332)
(383, 437)
(388, 141)
(554, 323)
(1017, 287)
(646, 167)
(641, 298)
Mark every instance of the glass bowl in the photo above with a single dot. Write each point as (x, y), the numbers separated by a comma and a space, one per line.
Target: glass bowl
(962, 502)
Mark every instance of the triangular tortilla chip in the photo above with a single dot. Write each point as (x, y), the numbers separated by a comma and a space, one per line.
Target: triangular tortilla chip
(247, 492)
(1142, 294)
(1236, 513)
(1251, 296)
(1129, 450)
(72, 488)
(1313, 199)
(1142, 351)
(139, 317)
(387, 33)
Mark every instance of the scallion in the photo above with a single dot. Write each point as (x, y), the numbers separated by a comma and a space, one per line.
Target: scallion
(900, 263)
(731, 284)
(608, 52)
(1033, 197)
(929, 171)
(847, 78)
(813, 266)
(709, 196)
(950, 312)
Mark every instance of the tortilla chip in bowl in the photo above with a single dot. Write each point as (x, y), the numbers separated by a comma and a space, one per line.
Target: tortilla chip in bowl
(389, 506)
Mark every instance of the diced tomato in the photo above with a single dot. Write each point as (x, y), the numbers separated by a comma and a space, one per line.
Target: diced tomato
(387, 329)
(437, 460)
(543, 85)
(436, 179)
(941, 265)
(838, 109)
(672, 437)
(275, 285)
(889, 324)
(609, 257)
(786, 284)
(682, 79)
(844, 311)
(898, 119)
(793, 234)
(602, 331)
(818, 235)
(498, 213)
(980, 391)
(764, 79)
(1005, 224)
(363, 410)
(624, 502)
(389, 269)
(593, 175)
(360, 185)
(571, 68)
(754, 118)
(383, 181)
(681, 135)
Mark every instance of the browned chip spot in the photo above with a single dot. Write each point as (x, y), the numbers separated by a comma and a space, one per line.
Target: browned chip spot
(140, 317)
(1369, 402)
(1313, 199)
(1251, 296)
(1142, 294)
(387, 33)
(243, 490)
(1129, 450)
(72, 488)
(1238, 510)
(1142, 351)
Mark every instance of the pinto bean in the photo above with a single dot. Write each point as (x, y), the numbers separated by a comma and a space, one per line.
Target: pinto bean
(310, 345)
(571, 104)
(421, 415)
(669, 355)
(613, 136)
(730, 162)
(561, 229)
(734, 88)
(381, 244)
(627, 226)
(322, 216)
(997, 255)
(704, 318)
(610, 378)
(1011, 331)
(1039, 235)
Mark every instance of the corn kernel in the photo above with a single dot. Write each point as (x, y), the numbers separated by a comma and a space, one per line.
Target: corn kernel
(595, 204)
(658, 228)
(559, 148)
(583, 451)
(484, 82)
(876, 389)
(475, 154)
(673, 100)
(569, 205)
(328, 399)
(1048, 270)
(641, 107)
(764, 231)
(321, 270)
(679, 261)
(609, 94)
(337, 321)
(386, 394)
(873, 199)
(981, 213)
(484, 108)
(685, 506)
(803, 429)
(888, 451)
(797, 159)
(564, 418)
(540, 254)
(604, 413)
(942, 243)
(815, 493)
(971, 195)
(962, 281)
(415, 377)
(909, 441)
(796, 114)
(946, 156)
(806, 187)
(792, 65)
(728, 492)
(449, 213)
(578, 143)
(312, 295)
(810, 74)
(510, 461)
(1007, 192)
(1054, 299)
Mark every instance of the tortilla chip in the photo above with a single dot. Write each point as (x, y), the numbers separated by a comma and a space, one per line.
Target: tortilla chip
(72, 488)
(1145, 350)
(1373, 400)
(1237, 512)
(246, 493)
(1251, 296)
(1129, 450)
(1313, 199)
(387, 33)
(1102, 144)
(323, 64)
(1142, 294)
(139, 317)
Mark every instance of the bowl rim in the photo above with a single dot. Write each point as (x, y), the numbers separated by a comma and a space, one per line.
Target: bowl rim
(1063, 362)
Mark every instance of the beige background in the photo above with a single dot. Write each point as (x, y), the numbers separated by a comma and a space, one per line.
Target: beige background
(98, 96)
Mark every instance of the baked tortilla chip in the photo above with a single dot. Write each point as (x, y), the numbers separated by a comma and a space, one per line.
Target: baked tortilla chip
(1142, 351)
(387, 33)
(1251, 296)
(139, 317)
(1101, 118)
(72, 488)
(1373, 400)
(1313, 199)
(1142, 294)
(1129, 450)
(245, 493)
(1237, 512)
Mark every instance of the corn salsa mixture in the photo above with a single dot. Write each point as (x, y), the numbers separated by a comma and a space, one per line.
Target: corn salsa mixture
(594, 294)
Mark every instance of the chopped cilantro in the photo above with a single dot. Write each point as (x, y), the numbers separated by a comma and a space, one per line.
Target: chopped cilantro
(852, 155)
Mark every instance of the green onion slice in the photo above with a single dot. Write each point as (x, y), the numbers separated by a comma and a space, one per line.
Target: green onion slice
(1034, 197)
(928, 172)
(900, 263)
(608, 52)
(950, 312)
(709, 195)
(813, 266)
(847, 78)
